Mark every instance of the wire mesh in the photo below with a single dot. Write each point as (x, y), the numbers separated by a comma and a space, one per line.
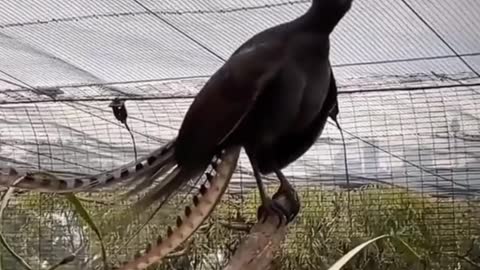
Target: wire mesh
(408, 78)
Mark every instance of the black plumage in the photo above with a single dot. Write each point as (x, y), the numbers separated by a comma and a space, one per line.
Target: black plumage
(272, 96)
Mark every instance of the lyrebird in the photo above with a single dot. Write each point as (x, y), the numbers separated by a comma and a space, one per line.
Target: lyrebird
(272, 97)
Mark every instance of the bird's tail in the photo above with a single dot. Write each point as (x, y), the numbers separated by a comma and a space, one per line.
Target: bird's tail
(141, 173)
(193, 216)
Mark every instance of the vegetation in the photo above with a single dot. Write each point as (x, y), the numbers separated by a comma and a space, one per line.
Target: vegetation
(435, 233)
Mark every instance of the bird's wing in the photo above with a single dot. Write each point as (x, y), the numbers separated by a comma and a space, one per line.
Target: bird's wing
(226, 100)
(296, 145)
(221, 105)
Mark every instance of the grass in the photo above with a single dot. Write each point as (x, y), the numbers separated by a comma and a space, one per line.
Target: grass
(437, 233)
(435, 230)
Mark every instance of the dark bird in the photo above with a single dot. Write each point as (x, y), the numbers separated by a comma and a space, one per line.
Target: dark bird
(272, 97)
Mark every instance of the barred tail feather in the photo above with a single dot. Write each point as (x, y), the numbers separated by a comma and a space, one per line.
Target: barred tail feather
(169, 185)
(149, 178)
(40, 181)
(141, 172)
(193, 216)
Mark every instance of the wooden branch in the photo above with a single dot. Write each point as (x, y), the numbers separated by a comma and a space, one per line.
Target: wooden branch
(257, 250)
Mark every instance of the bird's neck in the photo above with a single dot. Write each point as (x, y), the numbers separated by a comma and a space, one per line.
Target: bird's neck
(324, 15)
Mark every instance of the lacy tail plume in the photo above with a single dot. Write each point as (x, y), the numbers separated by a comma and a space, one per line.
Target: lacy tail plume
(141, 173)
(193, 216)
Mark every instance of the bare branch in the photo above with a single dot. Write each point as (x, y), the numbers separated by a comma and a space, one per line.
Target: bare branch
(257, 250)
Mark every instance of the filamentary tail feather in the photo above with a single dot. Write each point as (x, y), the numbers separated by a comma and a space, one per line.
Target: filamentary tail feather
(141, 173)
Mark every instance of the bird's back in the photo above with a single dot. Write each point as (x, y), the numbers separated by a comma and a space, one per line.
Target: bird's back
(302, 42)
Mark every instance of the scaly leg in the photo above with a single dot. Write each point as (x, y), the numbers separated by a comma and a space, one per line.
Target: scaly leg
(287, 190)
(269, 206)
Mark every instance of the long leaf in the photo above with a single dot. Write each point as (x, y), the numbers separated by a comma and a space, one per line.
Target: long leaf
(408, 247)
(87, 218)
(347, 257)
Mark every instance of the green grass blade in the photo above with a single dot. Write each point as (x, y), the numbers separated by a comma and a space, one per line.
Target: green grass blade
(87, 218)
(347, 257)
(409, 248)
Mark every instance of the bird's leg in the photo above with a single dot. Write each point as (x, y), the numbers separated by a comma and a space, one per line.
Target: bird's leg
(286, 189)
(268, 206)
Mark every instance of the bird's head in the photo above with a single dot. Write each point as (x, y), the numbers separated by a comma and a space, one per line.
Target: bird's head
(327, 13)
(341, 6)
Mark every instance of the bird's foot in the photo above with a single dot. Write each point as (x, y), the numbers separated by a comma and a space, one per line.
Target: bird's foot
(284, 204)
(271, 208)
(289, 194)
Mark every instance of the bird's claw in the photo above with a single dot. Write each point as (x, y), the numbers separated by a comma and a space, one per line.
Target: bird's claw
(273, 207)
(290, 195)
(270, 208)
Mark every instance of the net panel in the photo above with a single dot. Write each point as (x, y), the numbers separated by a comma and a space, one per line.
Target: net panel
(408, 78)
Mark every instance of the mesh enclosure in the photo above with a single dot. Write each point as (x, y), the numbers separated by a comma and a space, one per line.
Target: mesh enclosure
(408, 77)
